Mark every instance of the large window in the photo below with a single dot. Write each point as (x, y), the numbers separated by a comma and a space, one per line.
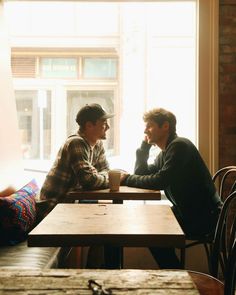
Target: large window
(34, 117)
(132, 57)
(72, 82)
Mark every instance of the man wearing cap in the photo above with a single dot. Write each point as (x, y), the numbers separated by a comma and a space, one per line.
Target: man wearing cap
(81, 161)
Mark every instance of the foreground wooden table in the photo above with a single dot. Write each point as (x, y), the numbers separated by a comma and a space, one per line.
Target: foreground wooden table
(124, 193)
(107, 224)
(123, 282)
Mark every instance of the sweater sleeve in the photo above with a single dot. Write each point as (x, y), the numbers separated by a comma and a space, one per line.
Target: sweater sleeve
(172, 164)
(141, 164)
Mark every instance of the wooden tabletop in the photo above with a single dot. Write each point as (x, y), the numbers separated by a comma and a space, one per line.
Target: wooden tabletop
(99, 224)
(121, 282)
(124, 193)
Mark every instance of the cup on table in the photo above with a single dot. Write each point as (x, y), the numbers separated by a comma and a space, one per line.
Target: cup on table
(114, 180)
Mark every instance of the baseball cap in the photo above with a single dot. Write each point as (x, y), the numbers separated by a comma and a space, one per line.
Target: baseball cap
(91, 112)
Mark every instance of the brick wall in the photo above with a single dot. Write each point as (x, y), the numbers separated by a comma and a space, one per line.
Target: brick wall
(227, 86)
(227, 83)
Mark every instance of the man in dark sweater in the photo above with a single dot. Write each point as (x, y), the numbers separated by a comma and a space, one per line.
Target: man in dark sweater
(180, 171)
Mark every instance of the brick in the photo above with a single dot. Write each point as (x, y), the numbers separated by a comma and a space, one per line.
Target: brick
(233, 2)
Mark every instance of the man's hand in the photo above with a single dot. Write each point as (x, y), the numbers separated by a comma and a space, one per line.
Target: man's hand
(145, 138)
(123, 176)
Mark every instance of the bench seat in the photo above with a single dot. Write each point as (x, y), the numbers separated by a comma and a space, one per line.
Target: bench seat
(21, 256)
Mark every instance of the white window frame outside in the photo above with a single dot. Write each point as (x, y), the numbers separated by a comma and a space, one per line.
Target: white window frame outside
(208, 27)
(59, 107)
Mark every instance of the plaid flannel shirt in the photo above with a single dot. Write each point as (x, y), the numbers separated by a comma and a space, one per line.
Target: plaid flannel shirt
(78, 165)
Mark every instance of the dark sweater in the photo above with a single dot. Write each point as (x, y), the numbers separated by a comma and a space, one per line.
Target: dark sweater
(180, 171)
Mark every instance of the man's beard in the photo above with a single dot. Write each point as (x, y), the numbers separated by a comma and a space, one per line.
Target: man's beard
(103, 137)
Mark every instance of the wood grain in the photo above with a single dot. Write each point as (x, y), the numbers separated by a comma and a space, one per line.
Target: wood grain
(121, 282)
(124, 193)
(121, 225)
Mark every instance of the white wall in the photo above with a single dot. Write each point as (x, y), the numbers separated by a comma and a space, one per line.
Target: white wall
(10, 154)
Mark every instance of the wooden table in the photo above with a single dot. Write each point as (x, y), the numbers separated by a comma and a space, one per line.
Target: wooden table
(121, 282)
(126, 225)
(98, 224)
(124, 193)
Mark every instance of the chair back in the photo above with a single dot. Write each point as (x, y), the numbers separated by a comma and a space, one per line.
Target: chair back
(225, 181)
(230, 275)
(223, 247)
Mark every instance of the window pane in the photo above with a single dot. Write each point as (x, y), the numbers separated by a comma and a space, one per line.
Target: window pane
(34, 118)
(46, 144)
(59, 67)
(155, 58)
(100, 67)
(77, 99)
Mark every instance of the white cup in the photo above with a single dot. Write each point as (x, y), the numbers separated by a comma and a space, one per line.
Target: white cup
(114, 180)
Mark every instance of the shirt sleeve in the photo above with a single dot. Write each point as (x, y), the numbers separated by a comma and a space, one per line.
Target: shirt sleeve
(102, 164)
(89, 165)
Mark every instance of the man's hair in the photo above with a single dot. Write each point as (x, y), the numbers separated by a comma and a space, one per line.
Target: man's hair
(159, 116)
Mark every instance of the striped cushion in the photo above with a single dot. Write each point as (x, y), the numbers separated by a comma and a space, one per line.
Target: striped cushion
(18, 214)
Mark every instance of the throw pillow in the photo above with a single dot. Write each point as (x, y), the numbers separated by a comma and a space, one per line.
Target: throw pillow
(18, 214)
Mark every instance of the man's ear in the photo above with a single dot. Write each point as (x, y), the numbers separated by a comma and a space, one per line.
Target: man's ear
(166, 126)
(88, 125)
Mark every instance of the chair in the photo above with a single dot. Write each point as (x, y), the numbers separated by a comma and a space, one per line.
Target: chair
(224, 181)
(226, 184)
(230, 276)
(223, 254)
(225, 237)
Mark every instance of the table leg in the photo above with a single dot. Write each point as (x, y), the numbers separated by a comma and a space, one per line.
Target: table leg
(113, 257)
(117, 201)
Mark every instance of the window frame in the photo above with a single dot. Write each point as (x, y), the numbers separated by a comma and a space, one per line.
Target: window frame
(208, 101)
(62, 85)
(207, 92)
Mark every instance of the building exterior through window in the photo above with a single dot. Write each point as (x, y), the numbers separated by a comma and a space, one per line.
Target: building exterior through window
(128, 57)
